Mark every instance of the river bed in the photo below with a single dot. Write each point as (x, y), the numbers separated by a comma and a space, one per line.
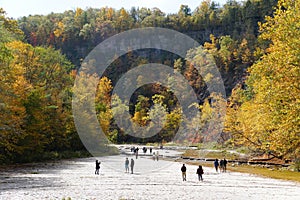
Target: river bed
(151, 180)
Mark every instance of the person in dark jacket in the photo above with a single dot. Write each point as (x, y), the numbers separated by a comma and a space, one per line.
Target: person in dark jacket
(97, 167)
(221, 167)
(224, 165)
(136, 153)
(216, 164)
(131, 165)
(183, 170)
(200, 172)
(127, 165)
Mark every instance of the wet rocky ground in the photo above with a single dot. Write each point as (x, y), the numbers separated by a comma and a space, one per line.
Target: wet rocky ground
(151, 180)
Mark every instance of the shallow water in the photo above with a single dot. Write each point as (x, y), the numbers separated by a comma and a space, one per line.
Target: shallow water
(151, 180)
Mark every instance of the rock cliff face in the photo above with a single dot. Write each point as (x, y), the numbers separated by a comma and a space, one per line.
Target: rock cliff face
(202, 36)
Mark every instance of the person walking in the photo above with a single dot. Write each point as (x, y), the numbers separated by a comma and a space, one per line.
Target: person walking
(144, 150)
(97, 167)
(136, 153)
(224, 165)
(216, 164)
(127, 165)
(132, 165)
(183, 170)
(221, 167)
(200, 172)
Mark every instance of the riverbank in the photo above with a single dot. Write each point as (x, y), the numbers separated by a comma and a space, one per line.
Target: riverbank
(57, 156)
(276, 173)
(242, 163)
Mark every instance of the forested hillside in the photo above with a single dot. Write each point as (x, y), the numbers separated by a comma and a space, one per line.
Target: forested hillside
(256, 55)
(77, 32)
(35, 96)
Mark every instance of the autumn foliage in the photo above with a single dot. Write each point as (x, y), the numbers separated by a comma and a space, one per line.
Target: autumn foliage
(254, 45)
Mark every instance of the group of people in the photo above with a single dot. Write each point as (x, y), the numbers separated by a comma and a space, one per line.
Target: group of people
(221, 166)
(145, 150)
(131, 162)
(136, 151)
(127, 165)
(218, 165)
(155, 156)
(199, 172)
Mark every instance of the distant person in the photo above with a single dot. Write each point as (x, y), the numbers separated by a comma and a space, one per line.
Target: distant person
(132, 149)
(144, 150)
(200, 172)
(221, 167)
(127, 165)
(216, 164)
(97, 167)
(183, 171)
(157, 155)
(153, 156)
(225, 165)
(150, 150)
(132, 165)
(136, 153)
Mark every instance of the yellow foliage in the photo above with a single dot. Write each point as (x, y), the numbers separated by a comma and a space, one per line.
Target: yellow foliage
(59, 29)
(268, 117)
(78, 12)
